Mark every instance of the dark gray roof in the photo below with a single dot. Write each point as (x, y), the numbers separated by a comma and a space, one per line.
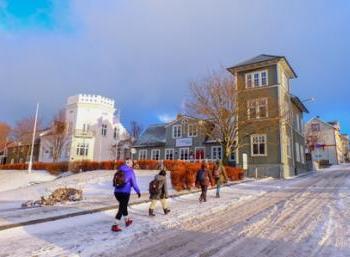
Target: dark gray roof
(262, 58)
(154, 135)
(257, 59)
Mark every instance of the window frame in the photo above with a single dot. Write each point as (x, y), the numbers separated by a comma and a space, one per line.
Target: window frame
(255, 79)
(152, 154)
(178, 135)
(188, 130)
(297, 151)
(142, 152)
(212, 152)
(256, 104)
(166, 153)
(188, 153)
(259, 143)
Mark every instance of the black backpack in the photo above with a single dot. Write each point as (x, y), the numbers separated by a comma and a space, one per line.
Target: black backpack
(119, 179)
(154, 187)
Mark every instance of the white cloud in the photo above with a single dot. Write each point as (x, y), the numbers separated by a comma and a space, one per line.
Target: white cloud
(165, 118)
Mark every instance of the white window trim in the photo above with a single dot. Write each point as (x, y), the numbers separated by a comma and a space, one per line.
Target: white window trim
(152, 154)
(173, 130)
(260, 79)
(188, 130)
(252, 148)
(297, 151)
(257, 109)
(195, 151)
(302, 154)
(212, 152)
(165, 153)
(140, 153)
(188, 153)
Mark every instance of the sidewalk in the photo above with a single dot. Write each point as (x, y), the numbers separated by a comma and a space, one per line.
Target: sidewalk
(23, 217)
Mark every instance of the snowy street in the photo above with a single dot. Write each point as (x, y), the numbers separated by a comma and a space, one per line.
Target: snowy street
(305, 216)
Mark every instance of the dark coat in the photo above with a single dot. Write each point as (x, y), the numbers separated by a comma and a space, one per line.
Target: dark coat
(207, 178)
(163, 188)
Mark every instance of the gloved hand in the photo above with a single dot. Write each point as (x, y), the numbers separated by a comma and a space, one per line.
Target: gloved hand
(138, 195)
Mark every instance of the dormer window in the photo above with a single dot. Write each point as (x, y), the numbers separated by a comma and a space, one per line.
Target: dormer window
(256, 79)
(177, 131)
(192, 130)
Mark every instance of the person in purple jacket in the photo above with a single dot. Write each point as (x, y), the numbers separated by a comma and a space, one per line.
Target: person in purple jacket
(122, 194)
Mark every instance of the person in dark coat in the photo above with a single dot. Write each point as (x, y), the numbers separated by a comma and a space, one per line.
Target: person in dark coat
(203, 179)
(161, 194)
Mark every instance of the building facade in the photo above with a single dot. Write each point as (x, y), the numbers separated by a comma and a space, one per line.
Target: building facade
(19, 152)
(325, 142)
(94, 131)
(181, 139)
(271, 138)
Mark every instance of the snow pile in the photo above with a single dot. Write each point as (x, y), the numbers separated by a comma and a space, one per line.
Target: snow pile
(13, 179)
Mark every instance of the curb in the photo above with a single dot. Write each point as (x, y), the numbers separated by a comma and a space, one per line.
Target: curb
(106, 208)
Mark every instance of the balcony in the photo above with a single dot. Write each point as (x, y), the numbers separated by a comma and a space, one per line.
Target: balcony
(83, 133)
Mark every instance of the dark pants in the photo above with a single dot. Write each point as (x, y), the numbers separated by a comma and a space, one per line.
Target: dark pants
(123, 199)
(203, 196)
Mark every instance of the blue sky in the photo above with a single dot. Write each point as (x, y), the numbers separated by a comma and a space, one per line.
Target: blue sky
(143, 53)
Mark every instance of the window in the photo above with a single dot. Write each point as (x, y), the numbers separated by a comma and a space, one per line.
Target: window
(192, 130)
(258, 145)
(177, 131)
(302, 154)
(184, 153)
(263, 78)
(233, 155)
(86, 127)
(315, 127)
(104, 130)
(115, 133)
(297, 121)
(256, 79)
(216, 152)
(257, 108)
(143, 154)
(297, 152)
(82, 149)
(249, 81)
(155, 154)
(199, 153)
(169, 154)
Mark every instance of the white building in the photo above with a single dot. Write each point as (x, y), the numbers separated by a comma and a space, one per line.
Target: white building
(93, 130)
(324, 141)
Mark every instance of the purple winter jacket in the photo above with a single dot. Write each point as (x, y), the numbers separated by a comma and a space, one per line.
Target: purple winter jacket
(130, 181)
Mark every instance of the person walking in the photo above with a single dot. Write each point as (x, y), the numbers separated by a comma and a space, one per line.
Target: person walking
(158, 191)
(124, 179)
(220, 176)
(203, 179)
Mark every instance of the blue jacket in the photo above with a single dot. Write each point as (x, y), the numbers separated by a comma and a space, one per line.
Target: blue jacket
(130, 181)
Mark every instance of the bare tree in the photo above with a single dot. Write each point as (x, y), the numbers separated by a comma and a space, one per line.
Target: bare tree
(213, 100)
(135, 130)
(5, 130)
(57, 136)
(23, 129)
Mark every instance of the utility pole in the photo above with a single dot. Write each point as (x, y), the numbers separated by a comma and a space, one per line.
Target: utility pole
(33, 140)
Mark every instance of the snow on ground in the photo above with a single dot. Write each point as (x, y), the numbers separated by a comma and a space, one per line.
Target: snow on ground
(306, 216)
(13, 179)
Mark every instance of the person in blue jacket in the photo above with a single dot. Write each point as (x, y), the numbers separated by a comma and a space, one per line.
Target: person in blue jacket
(122, 194)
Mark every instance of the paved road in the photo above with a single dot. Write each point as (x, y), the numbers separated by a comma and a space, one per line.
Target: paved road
(307, 218)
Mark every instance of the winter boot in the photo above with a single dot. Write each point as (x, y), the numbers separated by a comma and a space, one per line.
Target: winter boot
(116, 228)
(150, 213)
(128, 222)
(166, 211)
(217, 195)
